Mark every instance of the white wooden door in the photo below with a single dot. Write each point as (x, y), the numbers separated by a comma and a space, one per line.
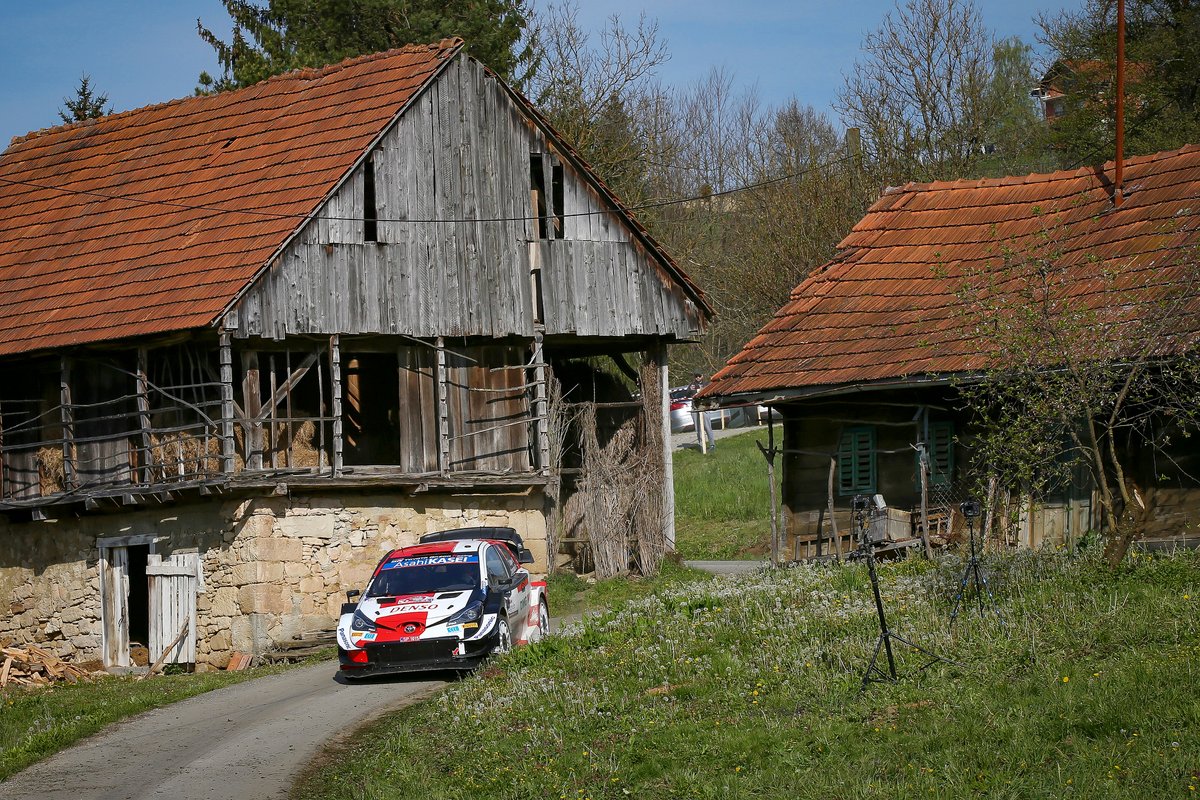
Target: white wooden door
(173, 585)
(114, 605)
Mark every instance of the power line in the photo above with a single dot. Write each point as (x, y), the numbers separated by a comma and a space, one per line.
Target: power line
(134, 200)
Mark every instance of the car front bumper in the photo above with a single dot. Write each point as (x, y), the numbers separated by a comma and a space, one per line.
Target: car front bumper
(421, 656)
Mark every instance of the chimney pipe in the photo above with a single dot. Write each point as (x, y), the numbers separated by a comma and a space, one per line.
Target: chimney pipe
(1119, 177)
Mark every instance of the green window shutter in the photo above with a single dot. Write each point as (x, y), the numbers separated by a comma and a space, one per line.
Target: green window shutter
(856, 461)
(941, 455)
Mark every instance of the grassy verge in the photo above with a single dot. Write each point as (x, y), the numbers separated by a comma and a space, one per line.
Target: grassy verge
(36, 723)
(570, 595)
(750, 688)
(722, 500)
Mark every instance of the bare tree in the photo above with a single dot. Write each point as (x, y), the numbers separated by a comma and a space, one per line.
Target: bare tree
(598, 91)
(920, 95)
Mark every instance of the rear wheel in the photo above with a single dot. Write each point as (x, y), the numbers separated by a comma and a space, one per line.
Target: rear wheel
(543, 619)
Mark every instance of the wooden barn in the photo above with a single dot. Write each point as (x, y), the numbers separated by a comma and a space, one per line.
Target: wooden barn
(866, 362)
(250, 341)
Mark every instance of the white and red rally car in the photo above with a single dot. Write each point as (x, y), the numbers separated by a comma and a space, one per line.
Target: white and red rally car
(446, 603)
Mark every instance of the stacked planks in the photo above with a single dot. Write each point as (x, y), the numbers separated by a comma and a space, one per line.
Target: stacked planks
(33, 666)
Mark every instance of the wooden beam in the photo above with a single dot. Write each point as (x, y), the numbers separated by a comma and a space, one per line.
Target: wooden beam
(659, 354)
(335, 374)
(252, 402)
(443, 427)
(541, 406)
(143, 406)
(68, 423)
(227, 404)
(269, 411)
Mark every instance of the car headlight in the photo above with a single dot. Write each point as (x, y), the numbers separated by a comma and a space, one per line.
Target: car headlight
(472, 612)
(361, 623)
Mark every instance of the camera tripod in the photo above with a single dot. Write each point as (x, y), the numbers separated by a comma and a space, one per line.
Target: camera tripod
(874, 672)
(974, 574)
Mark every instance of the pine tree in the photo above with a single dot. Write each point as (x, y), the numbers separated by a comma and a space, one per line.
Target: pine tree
(85, 105)
(290, 34)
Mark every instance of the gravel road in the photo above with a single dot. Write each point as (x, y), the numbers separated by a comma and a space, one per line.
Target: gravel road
(247, 741)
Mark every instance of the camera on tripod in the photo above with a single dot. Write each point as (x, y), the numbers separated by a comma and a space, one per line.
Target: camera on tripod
(867, 510)
(971, 509)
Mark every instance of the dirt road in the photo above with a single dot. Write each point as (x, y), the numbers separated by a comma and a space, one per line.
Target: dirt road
(244, 741)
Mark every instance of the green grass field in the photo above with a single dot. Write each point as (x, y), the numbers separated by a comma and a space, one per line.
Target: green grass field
(751, 688)
(722, 500)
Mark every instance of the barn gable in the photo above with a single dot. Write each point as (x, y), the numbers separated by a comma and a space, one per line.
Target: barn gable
(468, 217)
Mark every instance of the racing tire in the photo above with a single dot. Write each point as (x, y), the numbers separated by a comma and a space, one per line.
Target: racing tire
(503, 639)
(543, 620)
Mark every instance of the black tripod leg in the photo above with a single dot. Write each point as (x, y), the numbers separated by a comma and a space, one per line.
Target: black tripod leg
(962, 589)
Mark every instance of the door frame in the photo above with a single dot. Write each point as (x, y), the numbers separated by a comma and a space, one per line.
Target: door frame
(114, 593)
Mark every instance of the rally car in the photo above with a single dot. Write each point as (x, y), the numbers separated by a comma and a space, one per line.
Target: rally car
(446, 603)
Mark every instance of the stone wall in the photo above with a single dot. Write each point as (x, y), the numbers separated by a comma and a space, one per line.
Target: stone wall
(273, 567)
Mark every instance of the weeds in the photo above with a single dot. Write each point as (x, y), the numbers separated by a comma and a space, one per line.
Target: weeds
(749, 687)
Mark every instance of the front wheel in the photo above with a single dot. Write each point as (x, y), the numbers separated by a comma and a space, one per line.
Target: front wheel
(503, 641)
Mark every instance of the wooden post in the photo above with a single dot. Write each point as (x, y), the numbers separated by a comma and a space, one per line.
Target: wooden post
(659, 354)
(837, 537)
(252, 405)
(923, 461)
(335, 379)
(68, 423)
(143, 406)
(272, 436)
(226, 366)
(443, 427)
(541, 409)
(769, 454)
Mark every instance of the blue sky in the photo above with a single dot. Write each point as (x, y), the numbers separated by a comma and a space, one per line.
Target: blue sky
(146, 51)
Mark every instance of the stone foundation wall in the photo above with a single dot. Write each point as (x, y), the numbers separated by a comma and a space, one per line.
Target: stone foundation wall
(273, 567)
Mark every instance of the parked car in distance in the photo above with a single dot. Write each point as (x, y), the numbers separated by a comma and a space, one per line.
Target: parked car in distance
(735, 417)
(446, 603)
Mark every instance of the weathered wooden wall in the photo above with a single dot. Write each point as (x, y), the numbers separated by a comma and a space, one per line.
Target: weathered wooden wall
(452, 253)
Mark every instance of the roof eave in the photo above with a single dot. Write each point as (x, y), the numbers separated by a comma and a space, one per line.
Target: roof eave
(779, 396)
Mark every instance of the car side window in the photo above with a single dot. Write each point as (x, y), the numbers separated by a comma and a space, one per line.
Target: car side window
(497, 570)
(510, 560)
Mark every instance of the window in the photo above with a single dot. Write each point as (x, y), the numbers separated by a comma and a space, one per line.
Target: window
(941, 453)
(370, 211)
(940, 448)
(546, 197)
(537, 194)
(856, 461)
(497, 569)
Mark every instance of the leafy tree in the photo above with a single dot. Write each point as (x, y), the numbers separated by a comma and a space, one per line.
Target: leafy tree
(86, 104)
(1017, 139)
(1088, 366)
(290, 34)
(1162, 76)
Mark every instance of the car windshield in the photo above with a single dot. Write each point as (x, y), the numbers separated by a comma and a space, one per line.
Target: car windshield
(425, 575)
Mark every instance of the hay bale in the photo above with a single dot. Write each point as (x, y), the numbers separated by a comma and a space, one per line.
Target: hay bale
(301, 452)
(52, 476)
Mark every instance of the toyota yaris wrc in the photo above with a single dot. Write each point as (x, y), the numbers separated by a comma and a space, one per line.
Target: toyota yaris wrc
(446, 603)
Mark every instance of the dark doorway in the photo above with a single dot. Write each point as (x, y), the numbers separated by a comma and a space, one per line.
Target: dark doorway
(138, 605)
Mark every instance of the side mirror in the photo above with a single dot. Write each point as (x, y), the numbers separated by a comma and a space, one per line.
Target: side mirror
(350, 595)
(525, 557)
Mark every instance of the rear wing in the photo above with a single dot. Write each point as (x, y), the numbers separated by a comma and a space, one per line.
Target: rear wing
(507, 536)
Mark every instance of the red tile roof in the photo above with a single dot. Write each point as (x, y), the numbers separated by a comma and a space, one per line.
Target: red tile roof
(886, 308)
(152, 220)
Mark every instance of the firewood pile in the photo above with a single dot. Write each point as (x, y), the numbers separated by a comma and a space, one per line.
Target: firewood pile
(32, 666)
(303, 646)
